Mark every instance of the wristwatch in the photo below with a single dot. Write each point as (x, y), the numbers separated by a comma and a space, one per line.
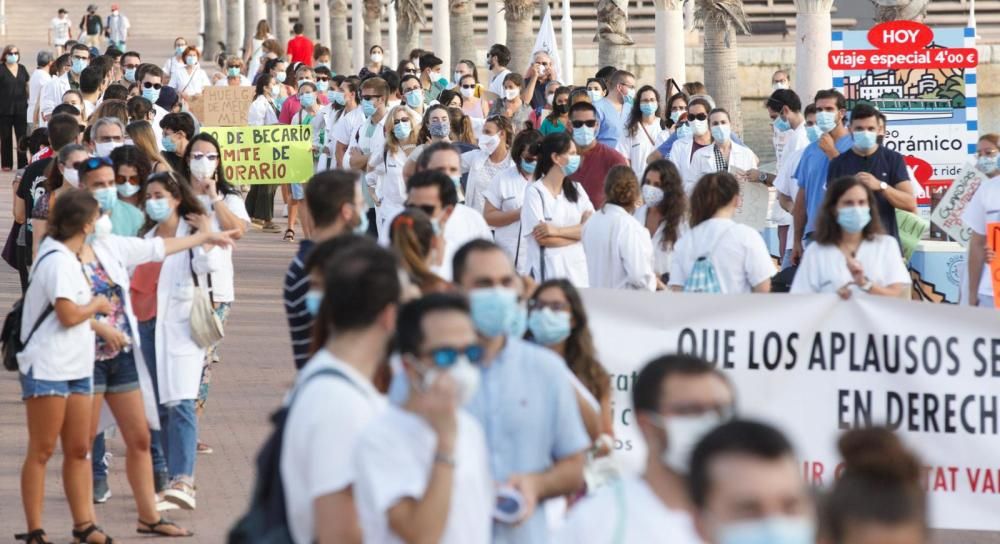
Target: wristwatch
(762, 177)
(444, 459)
(883, 186)
(867, 286)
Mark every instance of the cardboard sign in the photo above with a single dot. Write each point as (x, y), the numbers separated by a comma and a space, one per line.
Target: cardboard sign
(265, 155)
(911, 229)
(948, 213)
(226, 106)
(993, 242)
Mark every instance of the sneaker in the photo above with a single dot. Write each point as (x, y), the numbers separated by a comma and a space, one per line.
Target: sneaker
(101, 491)
(284, 211)
(204, 448)
(161, 481)
(181, 494)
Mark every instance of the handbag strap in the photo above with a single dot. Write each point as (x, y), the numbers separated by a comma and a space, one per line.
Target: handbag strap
(194, 276)
(541, 248)
(648, 137)
(48, 309)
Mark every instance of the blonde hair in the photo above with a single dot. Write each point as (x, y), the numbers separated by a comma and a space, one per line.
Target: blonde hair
(392, 143)
(144, 138)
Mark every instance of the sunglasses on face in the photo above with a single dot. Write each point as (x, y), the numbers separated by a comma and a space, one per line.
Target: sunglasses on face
(698, 116)
(210, 156)
(471, 86)
(591, 123)
(131, 180)
(426, 208)
(410, 71)
(148, 85)
(444, 357)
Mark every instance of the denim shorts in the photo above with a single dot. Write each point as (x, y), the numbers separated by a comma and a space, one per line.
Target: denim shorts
(32, 388)
(298, 191)
(116, 375)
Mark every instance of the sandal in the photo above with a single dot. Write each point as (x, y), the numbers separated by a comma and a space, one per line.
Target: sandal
(34, 537)
(289, 235)
(81, 536)
(151, 528)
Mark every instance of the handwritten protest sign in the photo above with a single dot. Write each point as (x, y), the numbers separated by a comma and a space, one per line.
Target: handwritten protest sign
(948, 213)
(753, 212)
(993, 242)
(226, 106)
(911, 229)
(265, 155)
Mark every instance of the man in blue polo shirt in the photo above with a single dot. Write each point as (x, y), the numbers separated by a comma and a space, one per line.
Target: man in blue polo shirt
(614, 110)
(882, 170)
(814, 166)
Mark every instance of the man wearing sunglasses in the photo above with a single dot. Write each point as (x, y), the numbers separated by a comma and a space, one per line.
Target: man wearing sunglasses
(422, 466)
(150, 81)
(525, 402)
(597, 158)
(97, 175)
(54, 90)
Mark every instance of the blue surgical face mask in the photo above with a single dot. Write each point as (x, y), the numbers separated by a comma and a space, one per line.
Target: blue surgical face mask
(151, 94)
(813, 133)
(362, 227)
(721, 133)
(78, 65)
(493, 310)
(158, 209)
(179, 49)
(826, 120)
(337, 97)
(322, 86)
(572, 165)
(583, 136)
(519, 325)
(307, 100)
(233, 71)
(368, 108)
(865, 140)
(168, 144)
(126, 190)
(402, 131)
(106, 197)
(774, 530)
(281, 77)
(649, 108)
(683, 131)
(782, 125)
(130, 75)
(854, 218)
(548, 327)
(595, 95)
(190, 60)
(414, 98)
(528, 166)
(987, 164)
(11, 59)
(313, 300)
(676, 115)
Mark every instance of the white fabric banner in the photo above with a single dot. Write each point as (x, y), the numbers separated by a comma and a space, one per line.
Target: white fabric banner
(546, 41)
(815, 365)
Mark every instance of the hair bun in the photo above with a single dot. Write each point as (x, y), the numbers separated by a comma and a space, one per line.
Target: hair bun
(878, 452)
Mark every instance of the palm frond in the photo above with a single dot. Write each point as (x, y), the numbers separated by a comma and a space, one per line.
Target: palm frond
(726, 13)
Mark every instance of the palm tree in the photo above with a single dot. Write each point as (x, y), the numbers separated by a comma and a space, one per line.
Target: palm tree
(900, 10)
(340, 47)
(520, 40)
(307, 16)
(812, 46)
(213, 30)
(373, 24)
(463, 45)
(410, 17)
(721, 19)
(612, 33)
(234, 18)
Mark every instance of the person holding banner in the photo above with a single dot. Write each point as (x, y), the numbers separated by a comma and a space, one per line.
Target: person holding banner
(737, 252)
(982, 211)
(662, 213)
(851, 252)
(987, 152)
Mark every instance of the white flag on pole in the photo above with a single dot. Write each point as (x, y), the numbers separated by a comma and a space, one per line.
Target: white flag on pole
(546, 41)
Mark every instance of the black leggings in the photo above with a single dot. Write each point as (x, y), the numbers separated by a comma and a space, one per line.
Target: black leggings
(18, 124)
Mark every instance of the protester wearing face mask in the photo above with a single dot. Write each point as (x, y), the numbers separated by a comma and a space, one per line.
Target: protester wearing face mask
(505, 196)
(400, 140)
(346, 120)
(780, 81)
(61, 176)
(597, 159)
(436, 127)
(483, 164)
(558, 118)
(440, 486)
(614, 110)
(683, 150)
(677, 399)
(663, 213)
(724, 155)
(432, 79)
(597, 89)
(536, 81)
(53, 91)
(643, 130)
(473, 106)
(14, 110)
(760, 498)
(176, 60)
(106, 135)
(307, 114)
(97, 175)
(555, 209)
(881, 169)
(178, 129)
(979, 212)
(189, 79)
(619, 250)
(131, 167)
(510, 105)
(376, 63)
(547, 458)
(851, 254)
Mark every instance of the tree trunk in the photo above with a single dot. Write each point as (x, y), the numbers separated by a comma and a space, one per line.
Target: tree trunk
(440, 39)
(463, 45)
(410, 14)
(612, 33)
(721, 77)
(373, 25)
(234, 38)
(670, 38)
(281, 28)
(307, 16)
(812, 46)
(339, 45)
(520, 38)
(213, 31)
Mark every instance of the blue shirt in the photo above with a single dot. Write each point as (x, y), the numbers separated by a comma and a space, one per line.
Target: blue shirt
(812, 174)
(126, 219)
(527, 407)
(610, 131)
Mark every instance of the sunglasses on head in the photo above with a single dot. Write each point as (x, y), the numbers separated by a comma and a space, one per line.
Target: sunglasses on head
(698, 116)
(93, 163)
(444, 357)
(148, 85)
(591, 123)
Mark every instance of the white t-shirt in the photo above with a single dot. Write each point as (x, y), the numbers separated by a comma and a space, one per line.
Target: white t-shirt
(223, 288)
(322, 429)
(637, 147)
(464, 226)
(189, 84)
(496, 84)
(38, 80)
(570, 261)
(56, 352)
(795, 141)
(60, 30)
(482, 176)
(619, 250)
(824, 267)
(737, 252)
(394, 458)
(626, 512)
(344, 129)
(507, 194)
(982, 209)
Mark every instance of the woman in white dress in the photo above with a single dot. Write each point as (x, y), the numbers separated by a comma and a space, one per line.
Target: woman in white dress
(189, 79)
(503, 199)
(483, 164)
(390, 190)
(850, 253)
(554, 212)
(724, 155)
(663, 212)
(263, 111)
(254, 51)
(643, 131)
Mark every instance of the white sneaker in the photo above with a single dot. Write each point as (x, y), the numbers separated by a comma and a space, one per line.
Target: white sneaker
(180, 494)
(284, 211)
(163, 505)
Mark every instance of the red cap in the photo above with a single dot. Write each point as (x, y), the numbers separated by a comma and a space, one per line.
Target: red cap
(114, 7)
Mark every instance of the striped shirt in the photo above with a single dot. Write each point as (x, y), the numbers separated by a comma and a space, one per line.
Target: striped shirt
(300, 323)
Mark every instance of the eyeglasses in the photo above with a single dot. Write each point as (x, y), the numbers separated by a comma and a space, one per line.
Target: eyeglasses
(554, 306)
(473, 86)
(131, 180)
(149, 85)
(197, 155)
(698, 116)
(322, 78)
(426, 208)
(590, 123)
(447, 356)
(370, 97)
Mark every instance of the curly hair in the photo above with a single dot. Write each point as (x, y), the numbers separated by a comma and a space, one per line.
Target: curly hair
(621, 187)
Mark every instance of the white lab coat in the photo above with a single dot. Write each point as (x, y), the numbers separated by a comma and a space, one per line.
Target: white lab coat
(119, 255)
(680, 155)
(391, 191)
(637, 147)
(262, 112)
(619, 250)
(179, 359)
(480, 178)
(52, 95)
(569, 261)
(703, 162)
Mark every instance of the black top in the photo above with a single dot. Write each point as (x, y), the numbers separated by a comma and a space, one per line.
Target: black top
(174, 160)
(13, 91)
(93, 23)
(300, 321)
(31, 184)
(886, 165)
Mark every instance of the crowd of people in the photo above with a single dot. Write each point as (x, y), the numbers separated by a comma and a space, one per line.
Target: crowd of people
(445, 237)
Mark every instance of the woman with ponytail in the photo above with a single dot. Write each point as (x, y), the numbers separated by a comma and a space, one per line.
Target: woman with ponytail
(504, 199)
(554, 212)
(419, 246)
(664, 206)
(737, 252)
(879, 496)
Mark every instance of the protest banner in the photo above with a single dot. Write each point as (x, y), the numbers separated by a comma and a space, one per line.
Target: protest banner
(265, 155)
(993, 242)
(911, 229)
(923, 79)
(226, 106)
(815, 365)
(947, 215)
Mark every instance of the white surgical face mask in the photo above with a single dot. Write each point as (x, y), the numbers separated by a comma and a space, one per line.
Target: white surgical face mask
(489, 143)
(511, 94)
(104, 149)
(203, 168)
(699, 127)
(376, 57)
(72, 176)
(103, 226)
(683, 433)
